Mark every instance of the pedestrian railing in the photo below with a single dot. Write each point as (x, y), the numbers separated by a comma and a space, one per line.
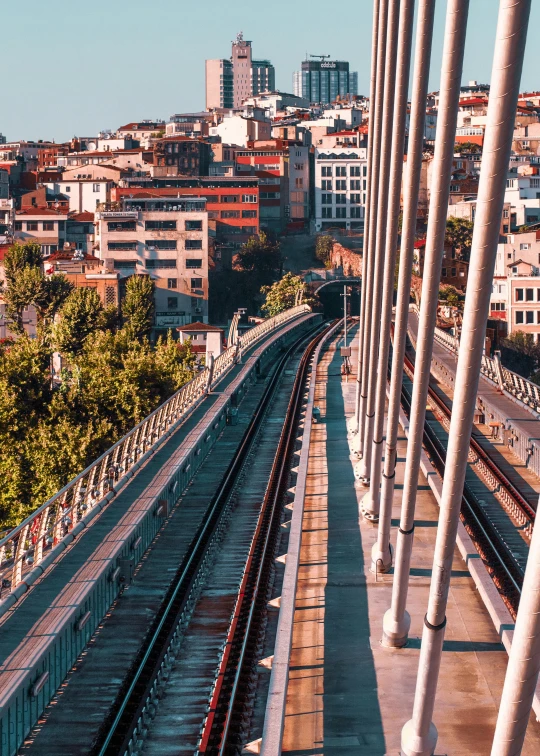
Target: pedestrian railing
(492, 367)
(32, 543)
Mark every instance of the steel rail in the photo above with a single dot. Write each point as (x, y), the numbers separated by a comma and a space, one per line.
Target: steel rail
(116, 732)
(218, 731)
(500, 559)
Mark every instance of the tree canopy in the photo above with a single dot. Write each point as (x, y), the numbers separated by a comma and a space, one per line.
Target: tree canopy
(261, 256)
(459, 233)
(138, 306)
(281, 295)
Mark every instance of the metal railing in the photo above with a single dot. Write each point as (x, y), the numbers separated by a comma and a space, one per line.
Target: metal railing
(492, 367)
(32, 543)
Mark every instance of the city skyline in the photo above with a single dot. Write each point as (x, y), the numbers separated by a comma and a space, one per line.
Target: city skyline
(95, 92)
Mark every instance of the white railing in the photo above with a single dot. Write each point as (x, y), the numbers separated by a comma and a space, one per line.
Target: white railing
(31, 543)
(524, 390)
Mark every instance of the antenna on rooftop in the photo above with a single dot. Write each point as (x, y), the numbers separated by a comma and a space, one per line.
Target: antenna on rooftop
(322, 57)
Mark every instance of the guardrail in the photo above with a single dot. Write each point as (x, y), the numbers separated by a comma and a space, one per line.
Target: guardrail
(32, 543)
(492, 367)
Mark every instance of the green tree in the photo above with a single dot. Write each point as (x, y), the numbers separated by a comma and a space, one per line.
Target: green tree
(81, 315)
(138, 306)
(54, 292)
(24, 289)
(323, 247)
(458, 235)
(260, 256)
(281, 295)
(460, 147)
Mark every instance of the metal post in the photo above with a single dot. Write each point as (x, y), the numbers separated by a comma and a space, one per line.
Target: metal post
(373, 305)
(370, 504)
(353, 425)
(367, 274)
(523, 664)
(424, 35)
(344, 295)
(396, 621)
(419, 734)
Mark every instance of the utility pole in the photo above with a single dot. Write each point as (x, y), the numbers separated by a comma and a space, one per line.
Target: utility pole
(370, 503)
(396, 621)
(424, 35)
(419, 735)
(345, 295)
(354, 423)
(373, 305)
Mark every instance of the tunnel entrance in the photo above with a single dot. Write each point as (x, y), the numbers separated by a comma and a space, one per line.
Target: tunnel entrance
(332, 301)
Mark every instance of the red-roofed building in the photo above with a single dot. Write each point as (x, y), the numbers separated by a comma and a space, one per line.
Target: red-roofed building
(42, 225)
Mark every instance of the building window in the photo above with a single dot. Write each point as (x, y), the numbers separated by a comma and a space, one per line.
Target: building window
(355, 199)
(153, 264)
(122, 226)
(193, 244)
(18, 226)
(193, 262)
(229, 198)
(172, 283)
(444, 272)
(251, 198)
(524, 246)
(341, 186)
(96, 187)
(355, 212)
(119, 264)
(172, 303)
(514, 271)
(196, 283)
(326, 199)
(251, 230)
(364, 170)
(519, 295)
(341, 170)
(230, 213)
(299, 182)
(519, 317)
(341, 199)
(326, 212)
(31, 226)
(67, 188)
(48, 225)
(355, 184)
(529, 295)
(326, 170)
(453, 272)
(194, 225)
(499, 306)
(529, 317)
(122, 245)
(506, 214)
(249, 213)
(160, 225)
(326, 185)
(341, 212)
(161, 243)
(354, 170)
(270, 195)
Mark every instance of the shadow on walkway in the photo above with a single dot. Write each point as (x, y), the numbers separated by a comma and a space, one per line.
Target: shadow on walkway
(352, 718)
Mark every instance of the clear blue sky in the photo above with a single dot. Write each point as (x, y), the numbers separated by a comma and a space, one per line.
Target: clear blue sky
(73, 67)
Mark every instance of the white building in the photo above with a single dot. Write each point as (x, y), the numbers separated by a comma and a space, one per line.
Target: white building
(84, 192)
(340, 187)
(251, 126)
(523, 194)
(167, 239)
(273, 102)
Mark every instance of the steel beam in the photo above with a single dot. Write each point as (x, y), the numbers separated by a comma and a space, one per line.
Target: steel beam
(396, 621)
(419, 735)
(367, 271)
(353, 424)
(371, 500)
(424, 35)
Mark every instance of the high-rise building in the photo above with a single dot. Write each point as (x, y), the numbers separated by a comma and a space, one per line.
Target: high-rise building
(230, 82)
(219, 84)
(321, 81)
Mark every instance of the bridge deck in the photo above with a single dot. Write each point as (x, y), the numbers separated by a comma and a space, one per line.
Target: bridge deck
(346, 693)
(30, 627)
(514, 414)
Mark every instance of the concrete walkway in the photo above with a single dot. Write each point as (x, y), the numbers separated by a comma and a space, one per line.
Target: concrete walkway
(346, 694)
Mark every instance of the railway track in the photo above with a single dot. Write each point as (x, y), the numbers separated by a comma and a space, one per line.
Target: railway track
(204, 626)
(496, 515)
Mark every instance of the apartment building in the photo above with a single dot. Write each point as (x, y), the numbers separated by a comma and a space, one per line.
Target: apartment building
(41, 225)
(83, 269)
(269, 161)
(340, 187)
(165, 238)
(232, 202)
